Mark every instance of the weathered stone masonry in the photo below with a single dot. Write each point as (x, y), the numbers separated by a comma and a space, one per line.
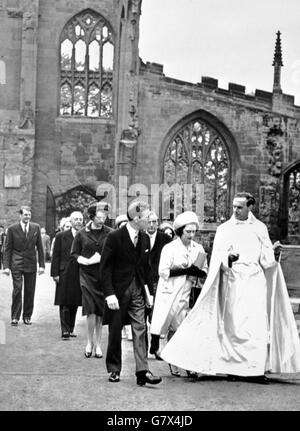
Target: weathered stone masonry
(44, 155)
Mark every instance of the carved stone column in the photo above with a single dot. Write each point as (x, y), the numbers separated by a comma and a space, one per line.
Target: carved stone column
(29, 63)
(127, 133)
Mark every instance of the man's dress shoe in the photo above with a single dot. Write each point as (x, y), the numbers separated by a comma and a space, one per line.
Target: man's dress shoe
(261, 380)
(114, 377)
(147, 377)
(65, 335)
(14, 322)
(27, 321)
(72, 335)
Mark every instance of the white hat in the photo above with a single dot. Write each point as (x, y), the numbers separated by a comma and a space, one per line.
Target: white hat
(121, 218)
(185, 218)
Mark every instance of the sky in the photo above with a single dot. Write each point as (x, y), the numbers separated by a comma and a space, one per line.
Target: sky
(230, 40)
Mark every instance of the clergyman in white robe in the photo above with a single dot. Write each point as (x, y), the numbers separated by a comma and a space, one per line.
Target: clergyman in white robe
(242, 323)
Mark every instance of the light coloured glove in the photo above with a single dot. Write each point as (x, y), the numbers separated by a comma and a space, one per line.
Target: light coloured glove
(112, 302)
(41, 271)
(150, 298)
(82, 260)
(6, 271)
(56, 279)
(94, 259)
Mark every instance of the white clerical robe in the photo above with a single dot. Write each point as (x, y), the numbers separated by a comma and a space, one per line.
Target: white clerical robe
(242, 322)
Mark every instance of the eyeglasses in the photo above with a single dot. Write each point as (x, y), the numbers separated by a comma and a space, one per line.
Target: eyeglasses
(189, 231)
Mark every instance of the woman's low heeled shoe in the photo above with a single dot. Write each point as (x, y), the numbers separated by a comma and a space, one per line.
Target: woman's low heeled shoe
(174, 371)
(88, 353)
(98, 353)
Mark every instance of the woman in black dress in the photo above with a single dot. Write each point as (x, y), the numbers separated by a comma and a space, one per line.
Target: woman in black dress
(87, 248)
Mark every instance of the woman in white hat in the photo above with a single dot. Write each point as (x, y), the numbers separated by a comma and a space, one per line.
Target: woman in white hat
(181, 262)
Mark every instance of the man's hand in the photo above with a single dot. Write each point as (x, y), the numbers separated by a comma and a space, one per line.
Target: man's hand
(6, 271)
(41, 271)
(56, 279)
(277, 247)
(112, 302)
(232, 257)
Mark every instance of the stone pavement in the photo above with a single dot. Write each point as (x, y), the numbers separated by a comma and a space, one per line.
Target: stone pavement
(41, 372)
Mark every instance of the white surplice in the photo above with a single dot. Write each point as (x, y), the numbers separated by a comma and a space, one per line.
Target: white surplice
(242, 322)
(173, 293)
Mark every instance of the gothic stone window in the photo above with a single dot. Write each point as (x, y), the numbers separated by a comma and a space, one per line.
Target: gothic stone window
(294, 203)
(198, 156)
(86, 63)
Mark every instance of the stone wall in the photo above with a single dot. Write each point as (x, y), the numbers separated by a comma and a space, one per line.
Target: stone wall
(262, 143)
(70, 152)
(40, 151)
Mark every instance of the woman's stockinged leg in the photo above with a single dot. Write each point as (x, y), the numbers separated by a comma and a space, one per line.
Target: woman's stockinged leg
(98, 351)
(91, 324)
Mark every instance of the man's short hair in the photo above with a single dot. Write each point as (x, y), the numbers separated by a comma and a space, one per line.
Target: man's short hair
(24, 208)
(136, 208)
(74, 214)
(153, 214)
(248, 196)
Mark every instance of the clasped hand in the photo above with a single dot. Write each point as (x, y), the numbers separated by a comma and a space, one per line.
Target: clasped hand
(89, 261)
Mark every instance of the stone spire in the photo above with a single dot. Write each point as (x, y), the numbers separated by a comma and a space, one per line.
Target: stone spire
(277, 63)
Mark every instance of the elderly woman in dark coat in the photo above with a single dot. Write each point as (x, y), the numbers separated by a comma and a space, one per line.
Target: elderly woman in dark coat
(87, 249)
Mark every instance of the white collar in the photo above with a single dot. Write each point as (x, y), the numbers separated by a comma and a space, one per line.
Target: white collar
(24, 225)
(152, 235)
(250, 220)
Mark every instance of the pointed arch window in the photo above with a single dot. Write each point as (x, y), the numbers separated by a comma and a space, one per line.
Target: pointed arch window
(86, 63)
(198, 156)
(293, 193)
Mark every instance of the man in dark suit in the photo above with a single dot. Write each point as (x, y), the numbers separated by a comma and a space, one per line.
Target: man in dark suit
(23, 243)
(157, 241)
(124, 270)
(65, 272)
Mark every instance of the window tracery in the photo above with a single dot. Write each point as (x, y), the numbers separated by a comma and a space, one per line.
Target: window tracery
(294, 202)
(86, 61)
(198, 156)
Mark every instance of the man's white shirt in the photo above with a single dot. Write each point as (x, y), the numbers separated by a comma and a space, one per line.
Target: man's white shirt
(24, 227)
(152, 239)
(132, 232)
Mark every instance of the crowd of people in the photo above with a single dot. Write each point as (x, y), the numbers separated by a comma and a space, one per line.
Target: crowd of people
(140, 275)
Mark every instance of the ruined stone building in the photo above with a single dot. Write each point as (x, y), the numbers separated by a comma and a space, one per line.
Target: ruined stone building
(80, 111)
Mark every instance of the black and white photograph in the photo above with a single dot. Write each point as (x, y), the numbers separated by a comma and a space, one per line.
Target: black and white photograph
(150, 209)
